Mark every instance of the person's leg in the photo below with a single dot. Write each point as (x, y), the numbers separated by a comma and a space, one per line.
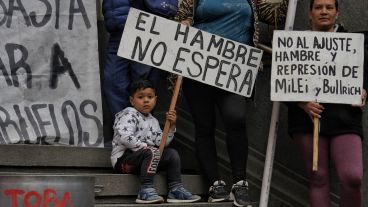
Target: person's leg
(346, 153)
(319, 181)
(128, 163)
(140, 162)
(201, 104)
(170, 161)
(232, 110)
(200, 99)
(116, 78)
(143, 162)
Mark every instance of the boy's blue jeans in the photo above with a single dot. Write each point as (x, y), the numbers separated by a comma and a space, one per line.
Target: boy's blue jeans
(119, 73)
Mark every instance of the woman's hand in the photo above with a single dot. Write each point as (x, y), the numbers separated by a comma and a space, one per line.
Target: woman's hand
(313, 109)
(187, 22)
(364, 98)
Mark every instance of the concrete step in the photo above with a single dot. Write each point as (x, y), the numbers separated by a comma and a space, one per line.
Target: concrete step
(115, 185)
(199, 204)
(31, 157)
(110, 187)
(20, 155)
(83, 186)
(121, 190)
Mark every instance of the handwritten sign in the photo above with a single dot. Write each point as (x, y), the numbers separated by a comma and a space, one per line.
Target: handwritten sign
(190, 52)
(325, 67)
(49, 74)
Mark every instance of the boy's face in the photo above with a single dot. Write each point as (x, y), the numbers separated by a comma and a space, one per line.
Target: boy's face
(144, 100)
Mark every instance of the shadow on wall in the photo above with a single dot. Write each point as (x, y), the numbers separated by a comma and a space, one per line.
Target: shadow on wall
(107, 119)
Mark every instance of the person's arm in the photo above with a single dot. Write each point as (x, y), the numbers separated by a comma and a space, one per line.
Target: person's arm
(185, 13)
(363, 98)
(365, 78)
(365, 73)
(365, 66)
(272, 13)
(125, 128)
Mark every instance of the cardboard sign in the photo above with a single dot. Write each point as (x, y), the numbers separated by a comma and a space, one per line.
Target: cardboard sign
(190, 52)
(324, 67)
(49, 73)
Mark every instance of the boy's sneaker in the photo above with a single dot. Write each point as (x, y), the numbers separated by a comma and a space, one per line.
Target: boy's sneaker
(181, 195)
(239, 192)
(217, 192)
(148, 195)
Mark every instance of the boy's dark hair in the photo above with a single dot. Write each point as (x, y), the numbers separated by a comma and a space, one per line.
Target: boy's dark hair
(140, 84)
(312, 2)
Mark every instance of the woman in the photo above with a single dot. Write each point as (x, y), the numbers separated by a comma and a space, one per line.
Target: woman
(236, 20)
(340, 133)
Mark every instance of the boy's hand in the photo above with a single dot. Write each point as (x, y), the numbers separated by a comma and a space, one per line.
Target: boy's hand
(171, 117)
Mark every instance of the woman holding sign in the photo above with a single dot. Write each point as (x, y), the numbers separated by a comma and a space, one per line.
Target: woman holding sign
(236, 20)
(340, 130)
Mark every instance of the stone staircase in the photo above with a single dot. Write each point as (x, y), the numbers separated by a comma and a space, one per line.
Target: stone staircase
(110, 189)
(200, 204)
(120, 190)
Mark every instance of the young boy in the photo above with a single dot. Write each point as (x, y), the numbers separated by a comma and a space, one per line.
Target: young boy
(137, 135)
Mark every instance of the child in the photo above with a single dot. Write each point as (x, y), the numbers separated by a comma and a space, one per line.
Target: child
(137, 135)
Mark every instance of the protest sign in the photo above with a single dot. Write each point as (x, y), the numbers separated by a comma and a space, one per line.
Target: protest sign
(190, 52)
(49, 73)
(324, 67)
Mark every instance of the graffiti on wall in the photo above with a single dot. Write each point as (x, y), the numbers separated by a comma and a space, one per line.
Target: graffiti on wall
(49, 74)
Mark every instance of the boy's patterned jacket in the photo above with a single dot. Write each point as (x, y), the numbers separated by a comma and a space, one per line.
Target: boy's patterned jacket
(134, 131)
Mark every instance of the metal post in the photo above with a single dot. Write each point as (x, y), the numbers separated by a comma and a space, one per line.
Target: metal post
(267, 172)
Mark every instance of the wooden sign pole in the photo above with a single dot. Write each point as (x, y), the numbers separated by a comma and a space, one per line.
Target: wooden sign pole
(315, 143)
(172, 107)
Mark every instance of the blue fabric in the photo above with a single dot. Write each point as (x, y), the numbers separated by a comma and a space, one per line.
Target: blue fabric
(165, 8)
(115, 14)
(231, 19)
(118, 74)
